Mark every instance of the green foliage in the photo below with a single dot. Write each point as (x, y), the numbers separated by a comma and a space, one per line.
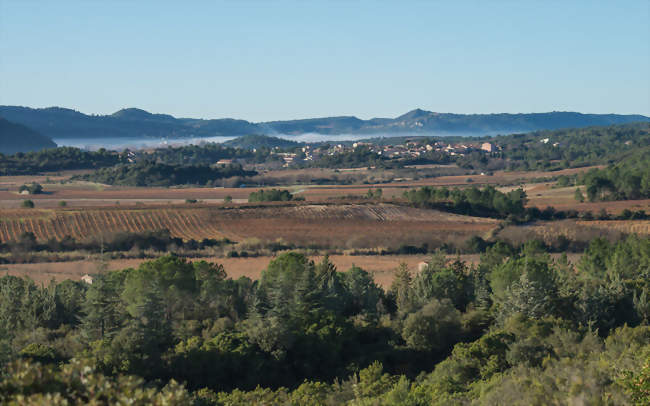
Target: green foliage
(57, 159)
(516, 328)
(158, 174)
(570, 147)
(627, 180)
(432, 328)
(485, 202)
(578, 195)
(80, 384)
(270, 195)
(360, 157)
(374, 194)
(28, 204)
(32, 188)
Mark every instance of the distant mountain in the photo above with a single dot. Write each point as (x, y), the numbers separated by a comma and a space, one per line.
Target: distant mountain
(326, 125)
(260, 141)
(18, 138)
(56, 122)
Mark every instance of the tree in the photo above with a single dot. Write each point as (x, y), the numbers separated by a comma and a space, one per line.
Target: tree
(578, 195)
(101, 311)
(402, 290)
(433, 328)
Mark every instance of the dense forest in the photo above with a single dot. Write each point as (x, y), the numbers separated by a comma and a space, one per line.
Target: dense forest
(154, 174)
(518, 327)
(57, 159)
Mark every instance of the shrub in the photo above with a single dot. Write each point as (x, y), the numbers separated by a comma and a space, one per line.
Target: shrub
(32, 188)
(272, 195)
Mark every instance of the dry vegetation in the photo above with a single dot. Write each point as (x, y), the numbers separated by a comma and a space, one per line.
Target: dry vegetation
(340, 226)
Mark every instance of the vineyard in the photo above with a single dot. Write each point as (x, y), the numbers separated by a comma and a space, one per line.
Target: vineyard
(347, 225)
(81, 224)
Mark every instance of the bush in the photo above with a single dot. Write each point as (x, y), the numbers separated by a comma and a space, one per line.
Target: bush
(272, 195)
(32, 188)
(28, 204)
(435, 327)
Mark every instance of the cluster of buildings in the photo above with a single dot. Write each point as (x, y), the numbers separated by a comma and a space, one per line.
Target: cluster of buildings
(410, 149)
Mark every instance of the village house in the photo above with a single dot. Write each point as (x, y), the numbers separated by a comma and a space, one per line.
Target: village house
(487, 147)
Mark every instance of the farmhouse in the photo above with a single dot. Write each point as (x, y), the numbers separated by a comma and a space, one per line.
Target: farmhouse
(487, 146)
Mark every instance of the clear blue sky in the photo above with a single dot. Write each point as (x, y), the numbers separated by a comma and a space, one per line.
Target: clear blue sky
(283, 60)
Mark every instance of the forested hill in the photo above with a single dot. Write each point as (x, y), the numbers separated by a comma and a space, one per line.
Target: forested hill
(18, 138)
(60, 122)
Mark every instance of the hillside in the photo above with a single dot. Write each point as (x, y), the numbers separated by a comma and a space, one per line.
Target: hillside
(59, 122)
(259, 141)
(18, 138)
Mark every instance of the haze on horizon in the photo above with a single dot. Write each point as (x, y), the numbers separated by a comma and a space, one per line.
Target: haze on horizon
(290, 60)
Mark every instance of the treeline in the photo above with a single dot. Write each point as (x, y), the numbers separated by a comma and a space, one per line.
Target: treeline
(518, 328)
(485, 202)
(627, 180)
(489, 202)
(57, 159)
(272, 195)
(203, 154)
(360, 157)
(158, 240)
(156, 174)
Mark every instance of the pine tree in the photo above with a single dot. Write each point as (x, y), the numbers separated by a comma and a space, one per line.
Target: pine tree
(101, 309)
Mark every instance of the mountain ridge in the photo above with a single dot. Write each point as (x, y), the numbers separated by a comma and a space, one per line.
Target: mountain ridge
(58, 122)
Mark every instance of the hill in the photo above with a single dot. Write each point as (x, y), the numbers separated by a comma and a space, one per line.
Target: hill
(260, 141)
(58, 122)
(18, 138)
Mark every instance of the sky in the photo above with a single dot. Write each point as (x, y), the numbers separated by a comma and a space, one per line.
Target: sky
(277, 60)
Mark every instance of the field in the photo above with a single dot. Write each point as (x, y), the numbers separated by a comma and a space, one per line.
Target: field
(86, 194)
(342, 226)
(327, 220)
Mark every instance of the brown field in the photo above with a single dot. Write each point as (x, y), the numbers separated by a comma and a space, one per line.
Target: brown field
(381, 267)
(341, 226)
(544, 195)
(86, 194)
